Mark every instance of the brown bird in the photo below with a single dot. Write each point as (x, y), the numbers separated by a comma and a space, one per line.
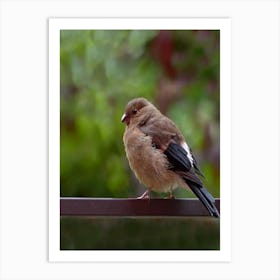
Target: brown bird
(159, 155)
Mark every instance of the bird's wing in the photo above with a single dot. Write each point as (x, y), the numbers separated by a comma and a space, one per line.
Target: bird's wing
(180, 163)
(166, 137)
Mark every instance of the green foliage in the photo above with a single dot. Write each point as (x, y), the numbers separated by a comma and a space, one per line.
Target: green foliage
(101, 70)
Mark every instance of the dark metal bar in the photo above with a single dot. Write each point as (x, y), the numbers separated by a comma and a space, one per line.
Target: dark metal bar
(78, 206)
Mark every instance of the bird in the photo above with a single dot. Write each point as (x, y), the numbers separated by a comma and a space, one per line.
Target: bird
(159, 155)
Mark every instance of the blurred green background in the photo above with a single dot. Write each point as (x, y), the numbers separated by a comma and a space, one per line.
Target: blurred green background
(100, 71)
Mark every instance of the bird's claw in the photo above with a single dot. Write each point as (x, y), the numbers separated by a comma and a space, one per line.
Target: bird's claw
(170, 196)
(145, 195)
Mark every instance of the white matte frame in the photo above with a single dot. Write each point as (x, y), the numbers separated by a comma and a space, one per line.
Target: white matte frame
(222, 24)
(24, 139)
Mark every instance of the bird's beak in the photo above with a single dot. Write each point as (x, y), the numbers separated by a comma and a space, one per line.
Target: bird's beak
(124, 118)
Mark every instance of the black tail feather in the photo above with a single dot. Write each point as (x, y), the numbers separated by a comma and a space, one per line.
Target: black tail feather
(205, 197)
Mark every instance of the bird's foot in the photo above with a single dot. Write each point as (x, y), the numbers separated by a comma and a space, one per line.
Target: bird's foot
(170, 195)
(145, 195)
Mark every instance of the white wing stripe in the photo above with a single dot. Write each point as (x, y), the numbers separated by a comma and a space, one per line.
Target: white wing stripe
(187, 149)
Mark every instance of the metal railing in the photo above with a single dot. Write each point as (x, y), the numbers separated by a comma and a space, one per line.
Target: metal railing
(79, 206)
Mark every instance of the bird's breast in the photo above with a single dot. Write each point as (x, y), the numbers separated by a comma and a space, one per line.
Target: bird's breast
(149, 164)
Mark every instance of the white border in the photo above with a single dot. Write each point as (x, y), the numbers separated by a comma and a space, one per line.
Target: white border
(55, 25)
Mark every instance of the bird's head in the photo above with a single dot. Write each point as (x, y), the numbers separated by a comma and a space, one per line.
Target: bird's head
(134, 109)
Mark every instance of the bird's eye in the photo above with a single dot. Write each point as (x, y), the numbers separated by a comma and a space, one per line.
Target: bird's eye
(134, 111)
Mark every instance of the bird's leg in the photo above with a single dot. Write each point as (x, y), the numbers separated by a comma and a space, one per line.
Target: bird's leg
(145, 195)
(170, 195)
